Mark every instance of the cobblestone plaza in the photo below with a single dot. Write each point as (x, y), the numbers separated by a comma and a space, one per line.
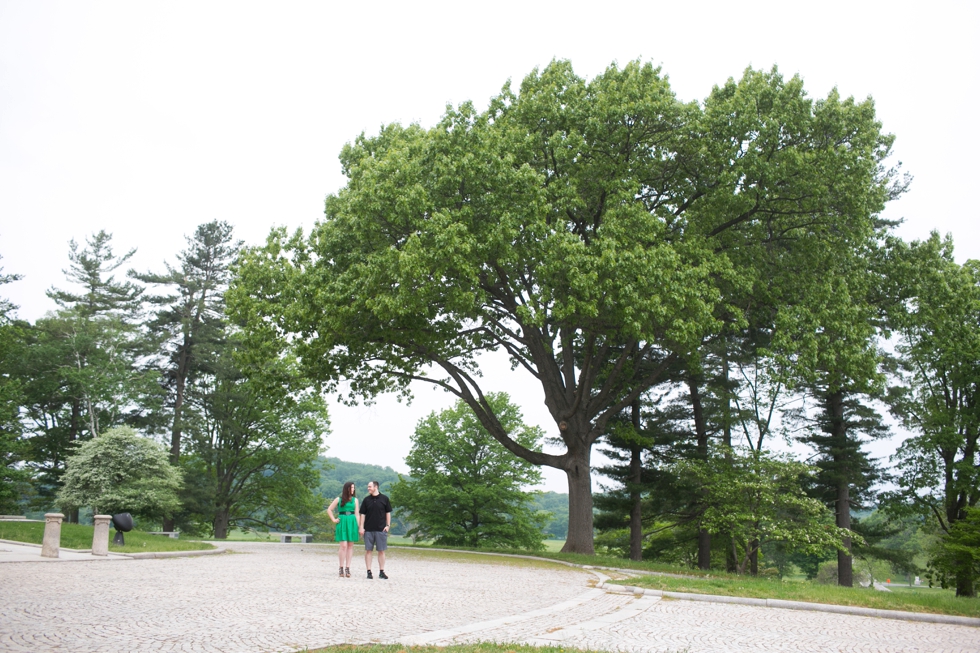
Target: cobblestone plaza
(274, 597)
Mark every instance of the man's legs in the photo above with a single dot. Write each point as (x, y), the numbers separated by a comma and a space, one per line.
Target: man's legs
(369, 544)
(382, 544)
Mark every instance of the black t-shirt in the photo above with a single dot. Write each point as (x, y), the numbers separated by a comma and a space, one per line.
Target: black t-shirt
(374, 509)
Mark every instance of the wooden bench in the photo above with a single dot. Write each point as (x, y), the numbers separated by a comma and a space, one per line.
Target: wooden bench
(171, 534)
(285, 538)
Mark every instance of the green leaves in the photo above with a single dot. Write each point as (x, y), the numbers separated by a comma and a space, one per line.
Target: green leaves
(594, 231)
(121, 471)
(758, 498)
(465, 488)
(936, 317)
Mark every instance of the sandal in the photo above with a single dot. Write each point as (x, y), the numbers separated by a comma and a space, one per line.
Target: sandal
(347, 571)
(341, 572)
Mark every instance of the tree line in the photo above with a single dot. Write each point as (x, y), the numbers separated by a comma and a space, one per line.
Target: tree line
(155, 351)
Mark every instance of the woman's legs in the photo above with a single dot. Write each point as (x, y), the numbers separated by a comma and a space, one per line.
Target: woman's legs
(341, 554)
(350, 553)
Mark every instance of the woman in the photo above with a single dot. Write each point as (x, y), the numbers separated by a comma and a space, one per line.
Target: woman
(346, 533)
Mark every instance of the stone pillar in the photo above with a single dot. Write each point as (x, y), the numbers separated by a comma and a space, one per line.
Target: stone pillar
(52, 534)
(100, 539)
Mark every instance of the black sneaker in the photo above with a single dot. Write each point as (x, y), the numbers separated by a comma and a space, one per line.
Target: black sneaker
(381, 574)
(369, 574)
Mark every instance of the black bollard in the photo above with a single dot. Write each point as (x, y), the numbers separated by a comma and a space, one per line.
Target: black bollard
(123, 523)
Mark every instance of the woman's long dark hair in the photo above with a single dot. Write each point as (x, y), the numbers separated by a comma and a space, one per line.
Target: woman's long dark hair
(347, 493)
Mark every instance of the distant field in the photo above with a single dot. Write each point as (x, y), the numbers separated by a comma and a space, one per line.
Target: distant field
(79, 536)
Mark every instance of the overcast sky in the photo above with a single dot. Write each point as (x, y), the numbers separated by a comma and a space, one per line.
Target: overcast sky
(147, 119)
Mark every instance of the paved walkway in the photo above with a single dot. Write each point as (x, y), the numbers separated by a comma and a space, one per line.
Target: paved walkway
(275, 597)
(11, 552)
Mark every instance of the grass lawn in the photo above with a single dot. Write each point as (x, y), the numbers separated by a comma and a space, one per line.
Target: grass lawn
(920, 599)
(78, 536)
(916, 599)
(238, 535)
(553, 552)
(550, 546)
(471, 557)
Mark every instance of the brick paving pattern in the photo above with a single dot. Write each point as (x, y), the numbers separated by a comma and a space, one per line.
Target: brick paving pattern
(273, 597)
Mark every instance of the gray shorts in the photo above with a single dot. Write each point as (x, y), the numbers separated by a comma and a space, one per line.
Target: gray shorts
(375, 539)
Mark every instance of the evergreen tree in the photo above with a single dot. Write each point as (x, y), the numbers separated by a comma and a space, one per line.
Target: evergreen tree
(80, 367)
(13, 473)
(189, 322)
(642, 442)
(256, 430)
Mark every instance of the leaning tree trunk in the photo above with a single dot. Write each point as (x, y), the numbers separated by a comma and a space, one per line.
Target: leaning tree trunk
(842, 508)
(579, 475)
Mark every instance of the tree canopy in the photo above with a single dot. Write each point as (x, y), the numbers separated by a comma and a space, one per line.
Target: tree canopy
(465, 488)
(121, 471)
(594, 231)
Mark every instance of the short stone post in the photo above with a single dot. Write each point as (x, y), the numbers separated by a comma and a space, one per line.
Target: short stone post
(100, 538)
(52, 535)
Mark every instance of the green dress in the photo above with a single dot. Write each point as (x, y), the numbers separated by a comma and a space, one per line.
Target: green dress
(347, 527)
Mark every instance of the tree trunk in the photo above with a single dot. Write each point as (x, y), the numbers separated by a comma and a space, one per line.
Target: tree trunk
(845, 563)
(579, 506)
(636, 476)
(175, 434)
(221, 524)
(704, 549)
(76, 415)
(701, 429)
(726, 437)
(754, 558)
(842, 508)
(175, 431)
(731, 560)
(73, 430)
(965, 585)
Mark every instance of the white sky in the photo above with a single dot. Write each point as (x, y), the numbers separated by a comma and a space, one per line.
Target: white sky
(147, 119)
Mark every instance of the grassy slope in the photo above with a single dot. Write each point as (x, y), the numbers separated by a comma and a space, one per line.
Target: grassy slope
(77, 536)
(912, 600)
(921, 599)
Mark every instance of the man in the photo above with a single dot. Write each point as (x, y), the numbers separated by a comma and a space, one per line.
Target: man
(375, 522)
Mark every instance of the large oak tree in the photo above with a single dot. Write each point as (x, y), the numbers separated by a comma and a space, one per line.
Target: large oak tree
(594, 231)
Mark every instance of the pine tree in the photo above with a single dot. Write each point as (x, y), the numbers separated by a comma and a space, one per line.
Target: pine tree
(189, 321)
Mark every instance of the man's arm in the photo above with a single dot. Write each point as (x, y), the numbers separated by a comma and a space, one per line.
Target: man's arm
(387, 514)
